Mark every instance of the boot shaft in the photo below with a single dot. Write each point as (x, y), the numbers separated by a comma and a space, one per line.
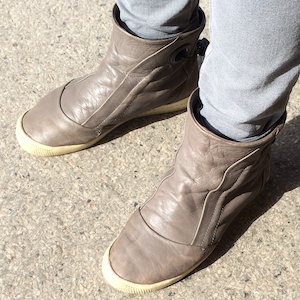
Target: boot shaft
(134, 70)
(211, 181)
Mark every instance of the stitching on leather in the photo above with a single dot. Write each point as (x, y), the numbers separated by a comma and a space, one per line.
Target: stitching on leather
(206, 233)
(223, 207)
(216, 189)
(217, 225)
(210, 223)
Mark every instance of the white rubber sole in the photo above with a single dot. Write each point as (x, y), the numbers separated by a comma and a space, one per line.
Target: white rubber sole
(125, 286)
(35, 148)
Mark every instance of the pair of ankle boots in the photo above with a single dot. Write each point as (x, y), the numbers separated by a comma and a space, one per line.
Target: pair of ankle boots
(212, 178)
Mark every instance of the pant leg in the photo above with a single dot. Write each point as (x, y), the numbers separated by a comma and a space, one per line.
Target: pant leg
(250, 66)
(158, 19)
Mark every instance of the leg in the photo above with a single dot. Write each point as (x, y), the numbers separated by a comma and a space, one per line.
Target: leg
(251, 66)
(158, 19)
(213, 177)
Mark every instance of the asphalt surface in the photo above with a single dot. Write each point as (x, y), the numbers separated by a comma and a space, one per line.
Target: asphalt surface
(58, 215)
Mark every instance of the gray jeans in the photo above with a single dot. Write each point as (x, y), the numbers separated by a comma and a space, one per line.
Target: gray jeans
(251, 64)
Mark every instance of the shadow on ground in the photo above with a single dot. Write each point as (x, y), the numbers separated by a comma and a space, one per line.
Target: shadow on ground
(285, 176)
(135, 124)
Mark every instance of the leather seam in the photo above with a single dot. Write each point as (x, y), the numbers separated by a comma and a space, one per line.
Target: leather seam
(216, 189)
(217, 225)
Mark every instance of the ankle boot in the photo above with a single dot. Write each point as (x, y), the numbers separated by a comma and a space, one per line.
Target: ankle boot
(137, 77)
(170, 235)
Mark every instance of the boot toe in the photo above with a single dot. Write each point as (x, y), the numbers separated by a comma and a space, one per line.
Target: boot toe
(46, 131)
(140, 260)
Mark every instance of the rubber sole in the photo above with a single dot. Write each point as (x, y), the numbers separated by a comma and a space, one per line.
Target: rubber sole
(125, 286)
(31, 146)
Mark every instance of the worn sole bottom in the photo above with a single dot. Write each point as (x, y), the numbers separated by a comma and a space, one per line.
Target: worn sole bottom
(35, 148)
(126, 286)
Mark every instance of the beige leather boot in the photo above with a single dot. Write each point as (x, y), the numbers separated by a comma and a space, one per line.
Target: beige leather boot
(137, 77)
(212, 180)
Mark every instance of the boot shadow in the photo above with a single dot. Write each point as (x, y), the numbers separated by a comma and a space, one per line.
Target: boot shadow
(285, 176)
(135, 124)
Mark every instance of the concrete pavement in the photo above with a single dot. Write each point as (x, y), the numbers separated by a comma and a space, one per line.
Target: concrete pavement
(58, 215)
